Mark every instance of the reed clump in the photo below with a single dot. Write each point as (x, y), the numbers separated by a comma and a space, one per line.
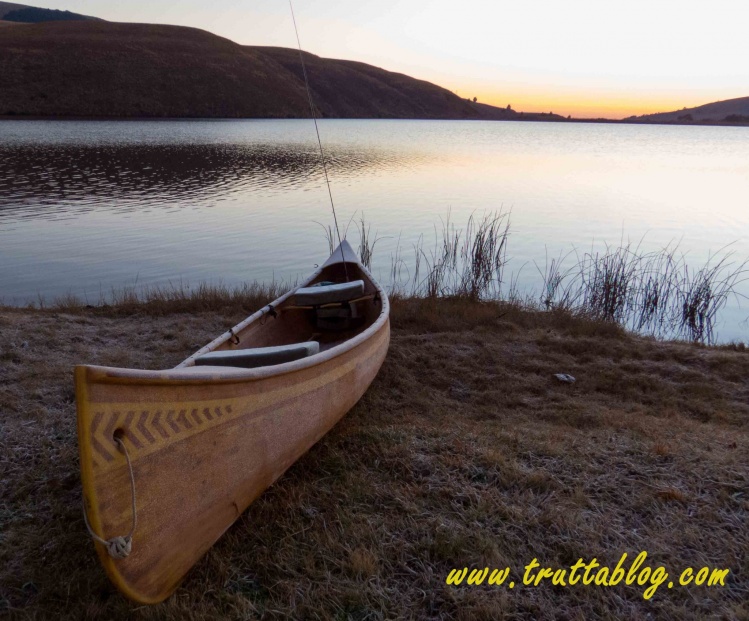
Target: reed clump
(703, 292)
(652, 292)
(367, 242)
(655, 292)
(461, 263)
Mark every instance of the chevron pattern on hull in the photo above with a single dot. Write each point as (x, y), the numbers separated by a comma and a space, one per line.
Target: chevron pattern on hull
(147, 429)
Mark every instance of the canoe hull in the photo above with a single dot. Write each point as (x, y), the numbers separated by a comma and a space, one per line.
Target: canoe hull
(202, 449)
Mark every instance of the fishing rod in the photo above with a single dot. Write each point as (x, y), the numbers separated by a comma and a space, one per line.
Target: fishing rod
(319, 142)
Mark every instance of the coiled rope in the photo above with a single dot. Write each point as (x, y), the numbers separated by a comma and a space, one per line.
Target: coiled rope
(118, 547)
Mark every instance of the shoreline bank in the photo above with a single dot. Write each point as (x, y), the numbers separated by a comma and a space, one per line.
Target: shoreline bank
(466, 451)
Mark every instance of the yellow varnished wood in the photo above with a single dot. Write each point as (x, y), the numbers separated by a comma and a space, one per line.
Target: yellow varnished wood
(203, 446)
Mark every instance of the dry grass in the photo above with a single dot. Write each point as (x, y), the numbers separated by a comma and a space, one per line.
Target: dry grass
(177, 297)
(465, 451)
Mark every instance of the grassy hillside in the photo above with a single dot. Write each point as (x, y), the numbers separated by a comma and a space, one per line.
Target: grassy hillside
(7, 7)
(104, 69)
(107, 69)
(23, 14)
(352, 89)
(730, 111)
(33, 15)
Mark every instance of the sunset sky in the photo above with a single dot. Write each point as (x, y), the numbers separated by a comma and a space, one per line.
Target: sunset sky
(586, 58)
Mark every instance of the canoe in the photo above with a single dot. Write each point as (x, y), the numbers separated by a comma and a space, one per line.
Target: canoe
(186, 450)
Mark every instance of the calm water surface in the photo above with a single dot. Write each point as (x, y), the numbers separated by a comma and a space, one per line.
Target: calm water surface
(91, 205)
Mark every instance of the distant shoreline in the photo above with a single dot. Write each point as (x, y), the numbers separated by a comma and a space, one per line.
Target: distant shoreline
(531, 118)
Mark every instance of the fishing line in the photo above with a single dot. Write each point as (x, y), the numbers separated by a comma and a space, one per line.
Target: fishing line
(319, 142)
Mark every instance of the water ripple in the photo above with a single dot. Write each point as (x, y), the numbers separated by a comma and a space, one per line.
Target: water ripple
(41, 181)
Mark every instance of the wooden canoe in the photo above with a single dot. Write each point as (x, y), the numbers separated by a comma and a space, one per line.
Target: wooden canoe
(205, 441)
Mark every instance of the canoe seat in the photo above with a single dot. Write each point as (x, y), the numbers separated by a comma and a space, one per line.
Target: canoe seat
(329, 293)
(259, 356)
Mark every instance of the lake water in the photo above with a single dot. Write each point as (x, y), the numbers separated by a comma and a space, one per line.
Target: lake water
(87, 206)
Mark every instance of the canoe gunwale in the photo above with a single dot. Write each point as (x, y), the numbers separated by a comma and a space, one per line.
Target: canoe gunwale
(100, 374)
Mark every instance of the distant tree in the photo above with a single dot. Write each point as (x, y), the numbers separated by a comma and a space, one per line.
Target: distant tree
(569, 116)
(509, 107)
(474, 100)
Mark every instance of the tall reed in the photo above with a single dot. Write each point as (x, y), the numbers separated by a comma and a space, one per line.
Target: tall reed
(703, 292)
(461, 263)
(366, 242)
(656, 292)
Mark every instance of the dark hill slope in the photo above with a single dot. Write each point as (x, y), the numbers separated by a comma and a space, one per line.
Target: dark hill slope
(7, 7)
(105, 69)
(32, 15)
(350, 89)
(726, 110)
(23, 14)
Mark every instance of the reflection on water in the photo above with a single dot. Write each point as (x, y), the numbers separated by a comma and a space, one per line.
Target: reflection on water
(32, 180)
(57, 180)
(88, 206)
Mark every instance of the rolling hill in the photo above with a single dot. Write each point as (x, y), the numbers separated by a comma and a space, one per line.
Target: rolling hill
(23, 14)
(7, 7)
(728, 111)
(107, 69)
(63, 64)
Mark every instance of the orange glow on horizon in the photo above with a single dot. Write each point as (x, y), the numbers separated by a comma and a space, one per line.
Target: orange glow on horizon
(578, 97)
(595, 105)
(586, 108)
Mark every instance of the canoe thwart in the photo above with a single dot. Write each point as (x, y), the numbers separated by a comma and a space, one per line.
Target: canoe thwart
(328, 294)
(259, 356)
(364, 298)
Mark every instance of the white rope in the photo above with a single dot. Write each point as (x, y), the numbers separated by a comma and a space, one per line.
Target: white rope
(118, 547)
